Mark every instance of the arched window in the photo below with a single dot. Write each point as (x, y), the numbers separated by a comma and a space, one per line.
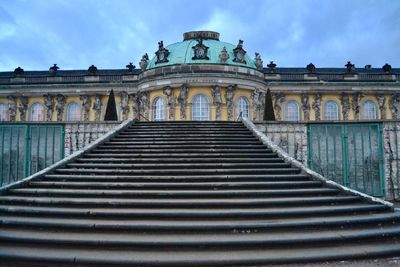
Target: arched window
(159, 109)
(243, 107)
(292, 111)
(73, 112)
(3, 112)
(331, 111)
(200, 108)
(36, 112)
(369, 110)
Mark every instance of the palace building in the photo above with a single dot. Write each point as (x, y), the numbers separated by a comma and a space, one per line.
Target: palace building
(202, 78)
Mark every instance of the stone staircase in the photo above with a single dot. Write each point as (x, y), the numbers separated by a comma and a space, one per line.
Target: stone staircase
(187, 194)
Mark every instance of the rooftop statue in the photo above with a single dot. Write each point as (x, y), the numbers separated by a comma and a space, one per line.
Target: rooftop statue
(311, 68)
(387, 68)
(54, 69)
(271, 67)
(162, 53)
(144, 61)
(349, 67)
(19, 71)
(239, 53)
(258, 61)
(130, 67)
(223, 56)
(92, 69)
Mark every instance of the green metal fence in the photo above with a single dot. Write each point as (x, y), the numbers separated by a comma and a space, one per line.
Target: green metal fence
(350, 154)
(28, 148)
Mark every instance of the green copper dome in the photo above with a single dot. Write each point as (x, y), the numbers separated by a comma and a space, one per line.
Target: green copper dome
(183, 53)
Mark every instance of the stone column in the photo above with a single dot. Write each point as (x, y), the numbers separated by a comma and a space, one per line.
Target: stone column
(305, 106)
(170, 102)
(60, 107)
(49, 104)
(143, 104)
(345, 102)
(85, 107)
(255, 97)
(97, 105)
(355, 104)
(217, 101)
(393, 105)
(135, 105)
(23, 107)
(316, 105)
(278, 98)
(12, 108)
(229, 100)
(382, 106)
(182, 100)
(124, 105)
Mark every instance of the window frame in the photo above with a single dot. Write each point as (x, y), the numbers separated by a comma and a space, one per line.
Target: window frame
(159, 110)
(363, 113)
(67, 116)
(296, 104)
(203, 105)
(325, 110)
(4, 112)
(239, 106)
(37, 104)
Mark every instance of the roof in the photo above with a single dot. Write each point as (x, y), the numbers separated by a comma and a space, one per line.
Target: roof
(182, 53)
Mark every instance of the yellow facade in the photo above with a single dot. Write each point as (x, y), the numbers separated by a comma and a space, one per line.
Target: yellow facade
(193, 91)
(153, 94)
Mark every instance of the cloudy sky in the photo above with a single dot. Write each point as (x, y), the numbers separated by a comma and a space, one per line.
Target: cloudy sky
(110, 33)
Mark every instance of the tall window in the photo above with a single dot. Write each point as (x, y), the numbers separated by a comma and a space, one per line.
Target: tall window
(159, 109)
(243, 107)
(73, 112)
(331, 111)
(292, 111)
(3, 112)
(200, 108)
(368, 110)
(36, 112)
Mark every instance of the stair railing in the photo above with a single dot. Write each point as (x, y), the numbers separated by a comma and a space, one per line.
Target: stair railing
(142, 116)
(239, 117)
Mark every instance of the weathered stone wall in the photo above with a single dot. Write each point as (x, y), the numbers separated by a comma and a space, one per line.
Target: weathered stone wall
(391, 145)
(80, 134)
(290, 136)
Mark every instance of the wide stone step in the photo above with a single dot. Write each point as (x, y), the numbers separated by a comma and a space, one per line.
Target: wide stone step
(180, 160)
(182, 150)
(186, 143)
(188, 130)
(196, 225)
(98, 153)
(97, 201)
(186, 134)
(179, 165)
(181, 171)
(172, 185)
(185, 146)
(231, 133)
(244, 193)
(195, 240)
(176, 178)
(120, 138)
(117, 212)
(188, 123)
(77, 256)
